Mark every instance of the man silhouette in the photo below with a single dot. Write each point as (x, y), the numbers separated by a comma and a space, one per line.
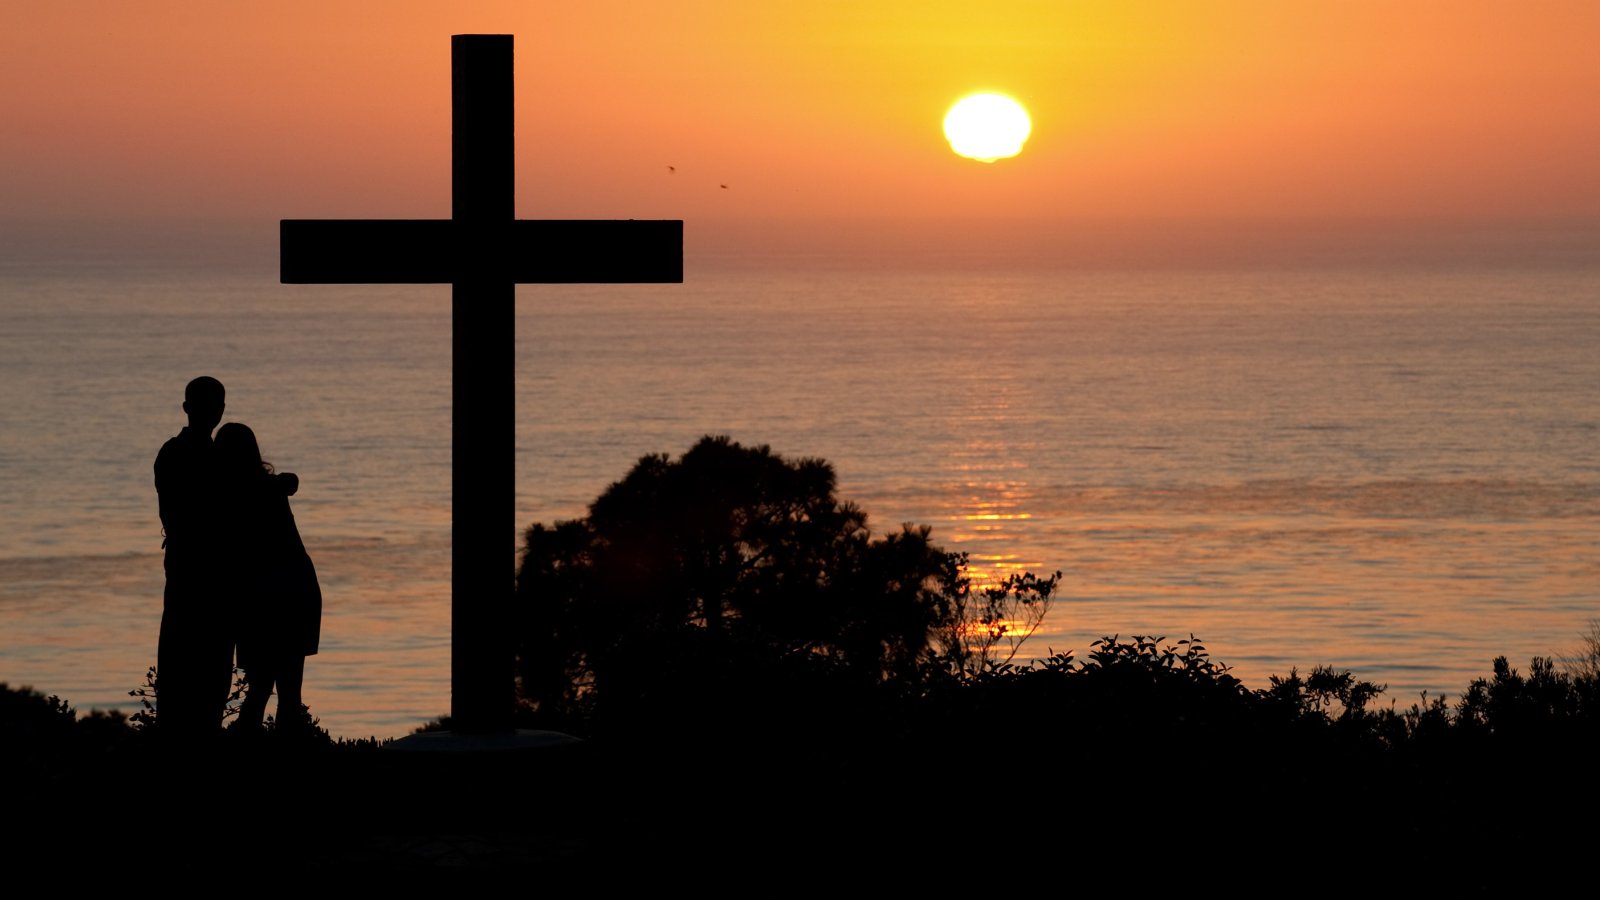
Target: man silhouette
(194, 659)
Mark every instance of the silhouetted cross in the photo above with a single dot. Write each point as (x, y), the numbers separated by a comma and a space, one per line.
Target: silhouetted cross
(484, 251)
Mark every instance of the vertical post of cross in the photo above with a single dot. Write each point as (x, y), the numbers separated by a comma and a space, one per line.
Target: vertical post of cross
(483, 408)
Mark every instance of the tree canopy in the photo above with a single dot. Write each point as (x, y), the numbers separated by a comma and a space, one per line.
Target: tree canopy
(737, 553)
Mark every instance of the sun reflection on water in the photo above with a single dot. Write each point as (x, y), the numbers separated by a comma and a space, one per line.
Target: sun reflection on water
(981, 520)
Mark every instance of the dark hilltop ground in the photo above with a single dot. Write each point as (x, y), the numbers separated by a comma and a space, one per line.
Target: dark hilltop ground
(1136, 769)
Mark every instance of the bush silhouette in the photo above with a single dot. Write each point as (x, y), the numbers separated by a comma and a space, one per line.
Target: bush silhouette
(732, 573)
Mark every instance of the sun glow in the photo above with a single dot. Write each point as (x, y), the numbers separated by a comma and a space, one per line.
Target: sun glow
(987, 127)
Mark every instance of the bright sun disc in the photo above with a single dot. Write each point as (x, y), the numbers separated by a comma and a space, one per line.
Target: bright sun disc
(987, 127)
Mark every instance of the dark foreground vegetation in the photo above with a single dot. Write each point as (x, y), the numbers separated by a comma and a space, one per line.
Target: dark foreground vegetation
(1139, 754)
(774, 698)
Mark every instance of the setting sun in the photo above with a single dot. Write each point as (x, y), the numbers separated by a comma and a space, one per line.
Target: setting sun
(987, 127)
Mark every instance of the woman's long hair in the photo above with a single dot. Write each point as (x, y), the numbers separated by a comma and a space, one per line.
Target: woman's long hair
(237, 453)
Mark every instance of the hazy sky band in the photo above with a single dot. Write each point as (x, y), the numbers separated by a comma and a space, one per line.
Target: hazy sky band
(1159, 110)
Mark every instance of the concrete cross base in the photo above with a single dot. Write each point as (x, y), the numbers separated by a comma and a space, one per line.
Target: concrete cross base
(499, 742)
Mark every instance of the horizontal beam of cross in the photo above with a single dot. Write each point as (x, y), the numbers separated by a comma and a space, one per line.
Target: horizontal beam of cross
(442, 251)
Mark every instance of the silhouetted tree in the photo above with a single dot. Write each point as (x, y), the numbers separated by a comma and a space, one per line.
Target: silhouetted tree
(734, 554)
(1586, 661)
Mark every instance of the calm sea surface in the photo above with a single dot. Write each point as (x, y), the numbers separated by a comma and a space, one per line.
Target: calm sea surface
(1394, 469)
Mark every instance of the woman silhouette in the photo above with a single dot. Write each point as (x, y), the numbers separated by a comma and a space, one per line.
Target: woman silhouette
(279, 614)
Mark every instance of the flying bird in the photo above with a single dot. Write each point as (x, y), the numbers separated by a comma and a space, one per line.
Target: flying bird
(672, 170)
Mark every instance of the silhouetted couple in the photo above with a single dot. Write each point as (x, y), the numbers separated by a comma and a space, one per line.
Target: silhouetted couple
(237, 575)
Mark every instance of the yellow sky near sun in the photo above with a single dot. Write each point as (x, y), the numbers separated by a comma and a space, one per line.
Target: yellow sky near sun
(1467, 108)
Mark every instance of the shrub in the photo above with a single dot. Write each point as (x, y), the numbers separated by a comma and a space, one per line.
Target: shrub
(732, 567)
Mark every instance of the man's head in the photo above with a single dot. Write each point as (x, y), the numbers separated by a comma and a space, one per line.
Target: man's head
(203, 401)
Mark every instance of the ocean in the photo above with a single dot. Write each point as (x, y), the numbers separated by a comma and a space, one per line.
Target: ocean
(1387, 465)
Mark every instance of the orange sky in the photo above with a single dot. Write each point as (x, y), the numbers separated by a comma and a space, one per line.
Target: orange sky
(1457, 108)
